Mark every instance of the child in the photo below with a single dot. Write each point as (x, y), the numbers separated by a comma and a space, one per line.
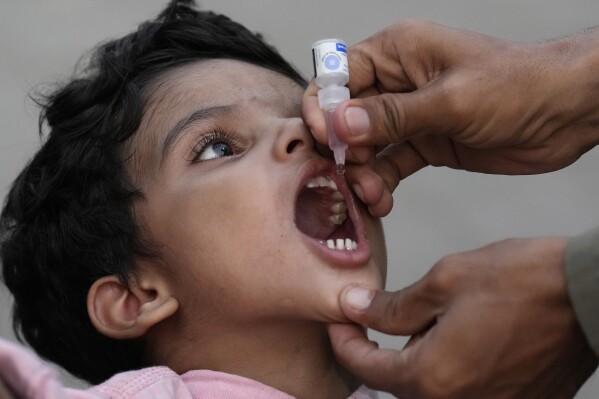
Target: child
(178, 226)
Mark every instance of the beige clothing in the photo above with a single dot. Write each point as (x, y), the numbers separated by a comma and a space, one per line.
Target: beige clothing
(582, 273)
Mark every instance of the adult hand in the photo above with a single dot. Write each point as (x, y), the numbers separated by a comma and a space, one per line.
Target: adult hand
(430, 95)
(491, 323)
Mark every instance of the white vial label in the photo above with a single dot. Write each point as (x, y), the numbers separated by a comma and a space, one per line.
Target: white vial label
(329, 57)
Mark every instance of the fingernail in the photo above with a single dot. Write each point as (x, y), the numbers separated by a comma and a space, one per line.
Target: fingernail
(359, 298)
(357, 121)
(359, 192)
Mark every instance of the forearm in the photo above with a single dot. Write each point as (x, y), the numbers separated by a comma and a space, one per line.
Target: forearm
(577, 71)
(582, 273)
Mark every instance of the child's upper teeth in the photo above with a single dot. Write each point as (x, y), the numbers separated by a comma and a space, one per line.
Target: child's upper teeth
(339, 210)
(339, 207)
(337, 196)
(338, 219)
(321, 181)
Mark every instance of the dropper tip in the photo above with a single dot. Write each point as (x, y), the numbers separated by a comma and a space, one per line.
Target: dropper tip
(340, 169)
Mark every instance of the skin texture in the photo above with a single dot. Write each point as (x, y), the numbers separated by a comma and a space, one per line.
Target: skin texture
(247, 285)
(495, 322)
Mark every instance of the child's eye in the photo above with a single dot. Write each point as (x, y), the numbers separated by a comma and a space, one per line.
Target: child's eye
(214, 150)
(216, 144)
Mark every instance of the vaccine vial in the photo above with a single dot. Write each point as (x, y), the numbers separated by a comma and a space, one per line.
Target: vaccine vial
(329, 57)
(331, 71)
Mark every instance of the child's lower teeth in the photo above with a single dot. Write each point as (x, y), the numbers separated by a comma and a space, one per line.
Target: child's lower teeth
(341, 244)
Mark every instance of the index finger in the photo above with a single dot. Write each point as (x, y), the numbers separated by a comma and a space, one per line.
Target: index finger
(380, 369)
(312, 114)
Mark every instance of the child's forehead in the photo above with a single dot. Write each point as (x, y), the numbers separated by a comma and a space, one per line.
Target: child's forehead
(217, 80)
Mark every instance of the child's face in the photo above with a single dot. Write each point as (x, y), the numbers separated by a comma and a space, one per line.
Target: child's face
(223, 160)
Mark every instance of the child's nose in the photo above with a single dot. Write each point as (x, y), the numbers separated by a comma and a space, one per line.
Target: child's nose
(295, 139)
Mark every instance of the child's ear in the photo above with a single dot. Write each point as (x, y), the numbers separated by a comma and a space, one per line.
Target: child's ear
(122, 313)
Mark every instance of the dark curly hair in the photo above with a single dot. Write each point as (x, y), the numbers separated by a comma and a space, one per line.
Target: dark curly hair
(68, 218)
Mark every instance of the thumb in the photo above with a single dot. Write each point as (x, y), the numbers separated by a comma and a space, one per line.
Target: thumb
(391, 117)
(405, 312)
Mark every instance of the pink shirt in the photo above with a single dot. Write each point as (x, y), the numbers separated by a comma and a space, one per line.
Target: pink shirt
(32, 378)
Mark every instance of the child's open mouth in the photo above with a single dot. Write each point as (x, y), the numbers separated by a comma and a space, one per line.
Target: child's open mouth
(321, 213)
(326, 212)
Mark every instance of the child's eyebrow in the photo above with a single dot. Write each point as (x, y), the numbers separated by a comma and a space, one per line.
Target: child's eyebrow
(203, 113)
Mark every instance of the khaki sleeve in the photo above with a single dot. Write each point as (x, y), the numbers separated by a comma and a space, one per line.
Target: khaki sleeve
(582, 274)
